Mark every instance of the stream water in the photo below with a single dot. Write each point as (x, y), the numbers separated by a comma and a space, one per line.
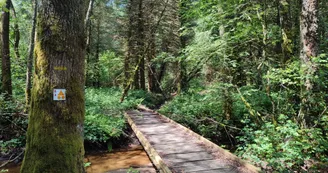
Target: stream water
(111, 162)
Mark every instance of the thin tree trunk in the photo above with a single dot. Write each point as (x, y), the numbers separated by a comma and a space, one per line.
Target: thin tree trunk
(129, 47)
(30, 58)
(182, 83)
(152, 82)
(55, 129)
(6, 69)
(141, 46)
(88, 26)
(285, 24)
(89, 13)
(96, 80)
(87, 23)
(136, 77)
(16, 32)
(88, 54)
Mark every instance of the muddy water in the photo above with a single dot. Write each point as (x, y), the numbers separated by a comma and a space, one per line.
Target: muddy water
(12, 167)
(107, 162)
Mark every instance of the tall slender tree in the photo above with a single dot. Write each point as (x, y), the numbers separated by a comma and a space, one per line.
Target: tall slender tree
(151, 40)
(88, 28)
(141, 45)
(55, 129)
(30, 57)
(6, 69)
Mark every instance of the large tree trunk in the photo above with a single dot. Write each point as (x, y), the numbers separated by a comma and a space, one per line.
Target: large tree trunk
(55, 130)
(6, 70)
(309, 50)
(30, 58)
(309, 37)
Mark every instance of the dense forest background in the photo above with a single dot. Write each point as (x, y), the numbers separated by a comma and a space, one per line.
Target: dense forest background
(249, 75)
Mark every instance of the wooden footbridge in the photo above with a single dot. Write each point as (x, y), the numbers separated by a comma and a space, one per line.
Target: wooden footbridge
(174, 148)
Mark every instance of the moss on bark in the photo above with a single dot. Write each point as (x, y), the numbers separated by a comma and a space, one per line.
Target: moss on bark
(55, 130)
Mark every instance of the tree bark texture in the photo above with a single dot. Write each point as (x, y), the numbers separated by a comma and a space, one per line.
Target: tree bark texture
(6, 69)
(96, 80)
(151, 53)
(141, 46)
(30, 57)
(131, 71)
(129, 47)
(55, 130)
(286, 34)
(309, 38)
(309, 50)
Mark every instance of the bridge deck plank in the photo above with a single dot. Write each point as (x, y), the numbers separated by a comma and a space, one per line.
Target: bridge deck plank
(179, 151)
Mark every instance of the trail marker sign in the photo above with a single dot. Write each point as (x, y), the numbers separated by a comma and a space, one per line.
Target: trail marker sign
(59, 94)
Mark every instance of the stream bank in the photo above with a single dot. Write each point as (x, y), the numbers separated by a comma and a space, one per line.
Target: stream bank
(127, 156)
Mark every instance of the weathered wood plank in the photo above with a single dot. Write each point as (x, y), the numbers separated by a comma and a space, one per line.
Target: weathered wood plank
(219, 152)
(203, 165)
(174, 148)
(188, 157)
(153, 155)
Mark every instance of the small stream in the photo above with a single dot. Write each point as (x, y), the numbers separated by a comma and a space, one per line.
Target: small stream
(120, 161)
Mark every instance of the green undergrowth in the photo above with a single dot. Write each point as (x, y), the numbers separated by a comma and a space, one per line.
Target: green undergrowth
(104, 120)
(246, 121)
(215, 112)
(284, 147)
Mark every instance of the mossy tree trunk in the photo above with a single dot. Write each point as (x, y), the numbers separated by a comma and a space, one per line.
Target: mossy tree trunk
(5, 64)
(55, 130)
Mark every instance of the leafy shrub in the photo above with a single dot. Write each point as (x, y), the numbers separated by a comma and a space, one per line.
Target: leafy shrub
(104, 120)
(284, 147)
(101, 128)
(104, 114)
(205, 111)
(110, 68)
(258, 102)
(275, 142)
(6, 147)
